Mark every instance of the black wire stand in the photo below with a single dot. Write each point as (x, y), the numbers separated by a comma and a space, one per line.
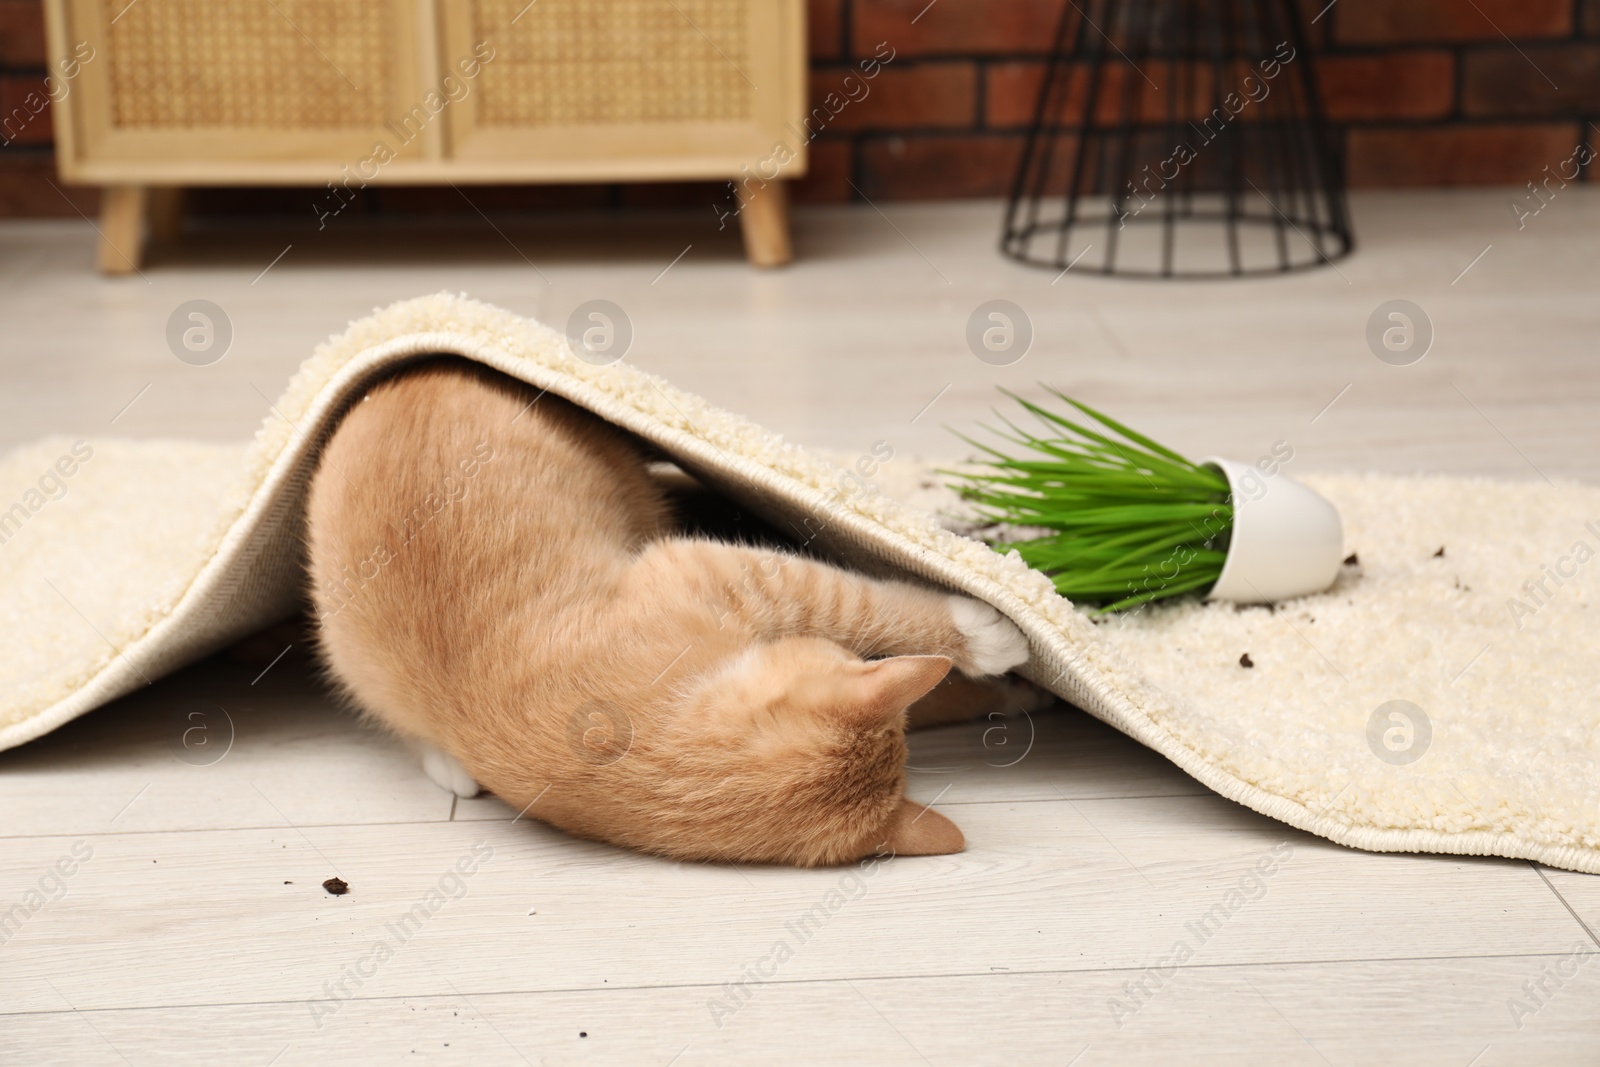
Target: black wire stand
(1178, 139)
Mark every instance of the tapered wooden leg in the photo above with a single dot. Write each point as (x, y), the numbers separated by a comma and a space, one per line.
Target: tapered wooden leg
(122, 219)
(165, 212)
(765, 219)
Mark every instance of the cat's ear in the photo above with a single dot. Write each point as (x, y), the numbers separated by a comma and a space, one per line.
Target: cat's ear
(919, 831)
(886, 687)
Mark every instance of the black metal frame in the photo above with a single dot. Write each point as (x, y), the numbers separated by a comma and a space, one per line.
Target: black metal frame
(1268, 164)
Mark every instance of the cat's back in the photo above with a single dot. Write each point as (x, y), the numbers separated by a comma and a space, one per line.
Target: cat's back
(450, 433)
(450, 484)
(453, 509)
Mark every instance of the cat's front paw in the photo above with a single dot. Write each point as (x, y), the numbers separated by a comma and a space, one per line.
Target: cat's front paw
(994, 644)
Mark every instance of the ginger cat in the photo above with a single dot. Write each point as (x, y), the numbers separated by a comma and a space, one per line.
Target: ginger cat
(498, 580)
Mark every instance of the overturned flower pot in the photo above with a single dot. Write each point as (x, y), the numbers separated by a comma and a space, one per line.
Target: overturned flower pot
(1285, 540)
(1118, 521)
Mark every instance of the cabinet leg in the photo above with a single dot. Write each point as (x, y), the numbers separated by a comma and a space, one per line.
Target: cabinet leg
(765, 220)
(165, 211)
(122, 218)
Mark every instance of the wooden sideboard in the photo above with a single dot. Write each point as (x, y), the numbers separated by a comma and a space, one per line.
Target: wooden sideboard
(342, 94)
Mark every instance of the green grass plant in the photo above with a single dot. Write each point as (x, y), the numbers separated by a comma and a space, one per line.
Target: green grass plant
(1126, 521)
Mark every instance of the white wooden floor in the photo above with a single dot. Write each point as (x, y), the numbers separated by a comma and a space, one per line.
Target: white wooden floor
(1072, 931)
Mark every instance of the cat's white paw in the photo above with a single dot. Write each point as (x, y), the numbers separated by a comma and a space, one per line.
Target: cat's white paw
(994, 644)
(446, 770)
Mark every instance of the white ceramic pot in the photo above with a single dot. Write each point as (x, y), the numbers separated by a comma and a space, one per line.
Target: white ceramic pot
(1287, 540)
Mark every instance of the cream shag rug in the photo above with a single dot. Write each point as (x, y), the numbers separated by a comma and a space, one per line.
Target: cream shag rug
(1428, 702)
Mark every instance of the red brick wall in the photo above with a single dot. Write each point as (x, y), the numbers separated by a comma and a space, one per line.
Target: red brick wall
(27, 166)
(1420, 92)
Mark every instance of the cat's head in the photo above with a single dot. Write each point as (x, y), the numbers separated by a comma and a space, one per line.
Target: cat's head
(808, 745)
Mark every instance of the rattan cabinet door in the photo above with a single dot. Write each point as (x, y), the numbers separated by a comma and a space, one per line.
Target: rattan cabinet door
(626, 88)
(201, 84)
